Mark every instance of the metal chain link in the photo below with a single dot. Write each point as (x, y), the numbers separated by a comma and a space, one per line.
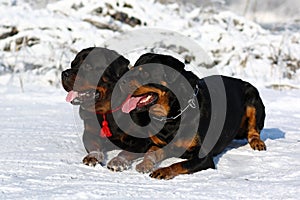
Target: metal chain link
(191, 103)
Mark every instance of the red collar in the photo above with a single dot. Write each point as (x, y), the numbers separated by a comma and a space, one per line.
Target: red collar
(105, 130)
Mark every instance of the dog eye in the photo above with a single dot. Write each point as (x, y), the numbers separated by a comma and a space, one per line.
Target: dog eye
(104, 79)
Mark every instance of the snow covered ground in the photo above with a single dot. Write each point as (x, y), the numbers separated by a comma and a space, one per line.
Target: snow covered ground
(41, 153)
(40, 134)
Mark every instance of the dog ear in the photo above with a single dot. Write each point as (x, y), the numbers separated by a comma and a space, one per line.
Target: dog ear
(120, 66)
(170, 75)
(174, 63)
(146, 59)
(80, 57)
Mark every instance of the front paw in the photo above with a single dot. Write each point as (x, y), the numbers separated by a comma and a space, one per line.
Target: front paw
(163, 173)
(118, 164)
(145, 166)
(93, 158)
(258, 144)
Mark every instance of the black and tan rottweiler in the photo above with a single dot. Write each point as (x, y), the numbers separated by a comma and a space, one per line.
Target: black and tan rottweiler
(197, 123)
(90, 82)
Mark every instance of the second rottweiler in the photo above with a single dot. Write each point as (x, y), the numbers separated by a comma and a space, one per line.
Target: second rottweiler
(199, 123)
(90, 82)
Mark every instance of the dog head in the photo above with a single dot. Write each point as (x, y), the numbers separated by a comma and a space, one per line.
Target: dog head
(92, 76)
(149, 83)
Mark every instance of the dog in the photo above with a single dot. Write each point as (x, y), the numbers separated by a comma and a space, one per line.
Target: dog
(90, 82)
(197, 123)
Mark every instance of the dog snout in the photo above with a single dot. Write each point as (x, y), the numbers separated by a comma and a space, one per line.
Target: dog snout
(65, 74)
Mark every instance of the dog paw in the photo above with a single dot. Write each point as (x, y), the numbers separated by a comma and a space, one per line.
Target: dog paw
(258, 144)
(93, 158)
(118, 164)
(163, 173)
(145, 167)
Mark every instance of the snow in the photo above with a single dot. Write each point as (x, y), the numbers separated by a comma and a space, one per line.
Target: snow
(40, 134)
(42, 151)
(49, 38)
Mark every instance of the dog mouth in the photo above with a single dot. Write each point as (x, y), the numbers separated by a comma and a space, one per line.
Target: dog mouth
(77, 98)
(139, 102)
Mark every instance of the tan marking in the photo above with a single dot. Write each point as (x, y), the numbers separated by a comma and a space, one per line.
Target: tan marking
(133, 84)
(169, 172)
(252, 132)
(103, 105)
(187, 143)
(105, 79)
(253, 135)
(164, 83)
(102, 90)
(157, 141)
(123, 137)
(153, 155)
(158, 110)
(178, 169)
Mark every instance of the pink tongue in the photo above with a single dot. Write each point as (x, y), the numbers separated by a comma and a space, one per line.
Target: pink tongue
(130, 104)
(71, 96)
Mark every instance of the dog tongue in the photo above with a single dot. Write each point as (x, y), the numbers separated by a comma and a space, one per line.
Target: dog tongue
(71, 96)
(130, 104)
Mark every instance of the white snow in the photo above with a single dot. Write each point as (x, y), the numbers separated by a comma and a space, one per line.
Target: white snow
(41, 153)
(40, 134)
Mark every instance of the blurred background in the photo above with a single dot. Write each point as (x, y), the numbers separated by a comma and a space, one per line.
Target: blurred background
(256, 40)
(268, 12)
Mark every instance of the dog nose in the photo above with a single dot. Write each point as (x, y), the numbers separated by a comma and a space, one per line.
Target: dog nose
(66, 74)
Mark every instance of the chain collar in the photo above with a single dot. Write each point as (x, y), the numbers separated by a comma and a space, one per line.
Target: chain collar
(191, 103)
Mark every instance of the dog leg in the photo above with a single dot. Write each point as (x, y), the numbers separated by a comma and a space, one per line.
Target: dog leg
(92, 144)
(184, 167)
(122, 161)
(153, 155)
(253, 135)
